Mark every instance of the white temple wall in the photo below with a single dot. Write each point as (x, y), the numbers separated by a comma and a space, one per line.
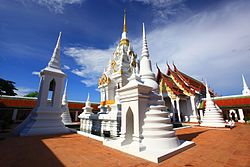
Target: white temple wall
(102, 92)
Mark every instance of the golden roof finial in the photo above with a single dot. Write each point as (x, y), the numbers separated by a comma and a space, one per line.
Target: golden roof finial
(124, 22)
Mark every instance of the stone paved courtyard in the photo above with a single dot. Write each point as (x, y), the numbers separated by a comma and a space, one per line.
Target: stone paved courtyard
(214, 148)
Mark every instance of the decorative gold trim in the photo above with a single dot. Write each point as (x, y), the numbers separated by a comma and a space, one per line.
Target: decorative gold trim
(104, 80)
(124, 42)
(107, 102)
(113, 64)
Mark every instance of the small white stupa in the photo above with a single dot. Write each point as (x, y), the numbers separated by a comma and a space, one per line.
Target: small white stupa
(46, 118)
(158, 130)
(87, 108)
(246, 90)
(212, 116)
(66, 118)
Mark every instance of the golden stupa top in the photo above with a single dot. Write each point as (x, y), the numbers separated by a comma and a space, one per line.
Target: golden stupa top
(124, 22)
(124, 40)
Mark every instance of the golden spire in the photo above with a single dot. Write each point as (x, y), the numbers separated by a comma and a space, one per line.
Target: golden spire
(124, 39)
(124, 22)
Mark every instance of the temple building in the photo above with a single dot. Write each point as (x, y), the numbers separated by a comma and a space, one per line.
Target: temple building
(181, 93)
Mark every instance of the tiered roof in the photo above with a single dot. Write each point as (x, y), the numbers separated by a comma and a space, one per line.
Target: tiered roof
(193, 83)
(180, 83)
(168, 83)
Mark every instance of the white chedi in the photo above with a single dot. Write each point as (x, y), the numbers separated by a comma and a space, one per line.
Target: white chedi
(66, 118)
(146, 73)
(87, 108)
(213, 116)
(158, 130)
(45, 118)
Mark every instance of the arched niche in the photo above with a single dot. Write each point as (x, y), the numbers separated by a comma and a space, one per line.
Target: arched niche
(51, 91)
(129, 126)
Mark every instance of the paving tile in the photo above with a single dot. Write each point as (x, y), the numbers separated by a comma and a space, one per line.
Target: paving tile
(214, 148)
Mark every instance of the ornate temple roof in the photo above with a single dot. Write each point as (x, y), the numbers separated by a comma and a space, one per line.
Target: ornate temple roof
(180, 83)
(191, 82)
(168, 85)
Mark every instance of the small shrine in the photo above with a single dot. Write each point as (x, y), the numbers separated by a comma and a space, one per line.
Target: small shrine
(46, 118)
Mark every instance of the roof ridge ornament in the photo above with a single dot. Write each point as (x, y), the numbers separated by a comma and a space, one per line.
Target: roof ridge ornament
(55, 59)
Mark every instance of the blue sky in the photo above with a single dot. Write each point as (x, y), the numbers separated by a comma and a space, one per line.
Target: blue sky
(208, 40)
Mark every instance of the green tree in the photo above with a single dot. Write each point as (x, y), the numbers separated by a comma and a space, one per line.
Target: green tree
(7, 87)
(32, 94)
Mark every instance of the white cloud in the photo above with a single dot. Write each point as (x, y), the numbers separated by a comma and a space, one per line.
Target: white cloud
(56, 6)
(24, 91)
(91, 62)
(214, 45)
(65, 67)
(163, 9)
(160, 3)
(36, 73)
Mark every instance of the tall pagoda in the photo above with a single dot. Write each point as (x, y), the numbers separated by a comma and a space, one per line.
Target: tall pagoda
(118, 70)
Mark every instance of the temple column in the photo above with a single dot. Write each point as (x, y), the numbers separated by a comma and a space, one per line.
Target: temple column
(241, 114)
(201, 115)
(193, 117)
(15, 111)
(173, 108)
(76, 116)
(178, 108)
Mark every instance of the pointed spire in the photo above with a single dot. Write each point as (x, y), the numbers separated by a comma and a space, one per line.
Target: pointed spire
(245, 90)
(64, 99)
(144, 41)
(208, 96)
(55, 59)
(124, 22)
(244, 82)
(124, 39)
(88, 99)
(88, 103)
